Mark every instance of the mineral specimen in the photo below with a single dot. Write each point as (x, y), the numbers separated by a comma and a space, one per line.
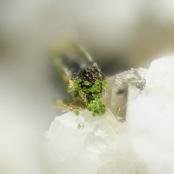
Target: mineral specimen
(143, 144)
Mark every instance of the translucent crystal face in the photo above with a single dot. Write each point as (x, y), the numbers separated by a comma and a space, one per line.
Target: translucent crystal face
(71, 59)
(116, 93)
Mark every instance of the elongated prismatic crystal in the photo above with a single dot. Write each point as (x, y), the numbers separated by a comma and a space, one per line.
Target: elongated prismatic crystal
(87, 82)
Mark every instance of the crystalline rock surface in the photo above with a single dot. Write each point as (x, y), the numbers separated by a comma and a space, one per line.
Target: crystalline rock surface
(144, 144)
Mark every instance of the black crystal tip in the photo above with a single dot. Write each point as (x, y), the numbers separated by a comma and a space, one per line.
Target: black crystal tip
(91, 73)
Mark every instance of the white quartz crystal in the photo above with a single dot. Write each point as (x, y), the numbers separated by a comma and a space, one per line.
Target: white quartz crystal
(89, 145)
(144, 144)
(150, 117)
